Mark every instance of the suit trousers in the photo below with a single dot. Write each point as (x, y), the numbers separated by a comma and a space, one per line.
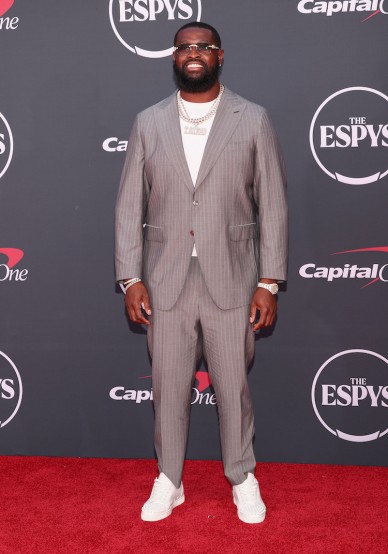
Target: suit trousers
(176, 339)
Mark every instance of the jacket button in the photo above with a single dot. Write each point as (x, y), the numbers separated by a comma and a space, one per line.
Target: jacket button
(192, 232)
(196, 203)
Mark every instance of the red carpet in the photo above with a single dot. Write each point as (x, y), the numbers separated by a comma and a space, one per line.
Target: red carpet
(67, 505)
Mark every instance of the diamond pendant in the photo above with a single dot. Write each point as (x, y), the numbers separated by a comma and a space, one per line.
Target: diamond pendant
(195, 130)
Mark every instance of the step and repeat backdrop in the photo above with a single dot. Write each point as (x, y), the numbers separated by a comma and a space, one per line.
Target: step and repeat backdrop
(74, 372)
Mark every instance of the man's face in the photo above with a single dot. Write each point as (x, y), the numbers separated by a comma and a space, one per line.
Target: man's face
(194, 71)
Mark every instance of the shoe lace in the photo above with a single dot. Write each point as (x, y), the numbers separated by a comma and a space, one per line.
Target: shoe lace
(249, 491)
(159, 490)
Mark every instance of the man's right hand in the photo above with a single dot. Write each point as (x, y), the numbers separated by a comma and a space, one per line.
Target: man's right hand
(135, 296)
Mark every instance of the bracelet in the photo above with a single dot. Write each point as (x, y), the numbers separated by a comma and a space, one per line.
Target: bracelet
(130, 282)
(125, 282)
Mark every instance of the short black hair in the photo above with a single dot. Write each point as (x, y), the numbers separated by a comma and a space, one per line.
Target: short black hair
(200, 25)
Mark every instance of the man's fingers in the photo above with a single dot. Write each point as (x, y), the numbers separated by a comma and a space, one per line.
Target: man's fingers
(267, 318)
(262, 319)
(265, 303)
(139, 317)
(135, 314)
(137, 298)
(147, 305)
(252, 313)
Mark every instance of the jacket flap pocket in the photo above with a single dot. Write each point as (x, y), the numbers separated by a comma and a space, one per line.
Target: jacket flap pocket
(242, 232)
(153, 233)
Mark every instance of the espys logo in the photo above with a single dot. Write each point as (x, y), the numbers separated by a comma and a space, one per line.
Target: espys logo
(350, 395)
(6, 145)
(349, 136)
(8, 272)
(198, 396)
(11, 390)
(373, 273)
(133, 22)
(7, 23)
(345, 6)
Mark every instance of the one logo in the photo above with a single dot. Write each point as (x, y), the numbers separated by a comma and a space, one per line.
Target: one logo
(202, 391)
(350, 395)
(203, 383)
(6, 145)
(7, 23)
(113, 144)
(372, 273)
(333, 7)
(349, 136)
(8, 271)
(136, 23)
(11, 390)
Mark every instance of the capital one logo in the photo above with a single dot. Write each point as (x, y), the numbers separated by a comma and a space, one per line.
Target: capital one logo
(349, 136)
(8, 271)
(350, 395)
(143, 26)
(6, 145)
(11, 390)
(200, 394)
(372, 273)
(332, 7)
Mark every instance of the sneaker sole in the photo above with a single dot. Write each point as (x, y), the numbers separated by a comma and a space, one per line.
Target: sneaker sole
(251, 519)
(162, 515)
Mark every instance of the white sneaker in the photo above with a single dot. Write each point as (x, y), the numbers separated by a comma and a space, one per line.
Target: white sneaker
(250, 506)
(164, 498)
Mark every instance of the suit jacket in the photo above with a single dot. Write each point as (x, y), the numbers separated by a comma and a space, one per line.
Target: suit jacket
(236, 213)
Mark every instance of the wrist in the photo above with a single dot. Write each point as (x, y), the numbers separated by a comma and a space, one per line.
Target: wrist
(127, 283)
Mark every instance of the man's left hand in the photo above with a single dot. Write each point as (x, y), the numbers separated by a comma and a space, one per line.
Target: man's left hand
(266, 303)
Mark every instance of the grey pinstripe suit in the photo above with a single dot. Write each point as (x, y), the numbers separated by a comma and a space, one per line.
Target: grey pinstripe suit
(237, 216)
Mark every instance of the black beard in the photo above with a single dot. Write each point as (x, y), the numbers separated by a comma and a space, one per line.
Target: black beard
(196, 84)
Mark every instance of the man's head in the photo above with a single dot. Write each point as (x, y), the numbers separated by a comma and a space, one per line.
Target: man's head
(197, 70)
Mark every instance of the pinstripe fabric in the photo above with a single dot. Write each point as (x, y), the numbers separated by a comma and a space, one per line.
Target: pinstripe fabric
(176, 338)
(239, 220)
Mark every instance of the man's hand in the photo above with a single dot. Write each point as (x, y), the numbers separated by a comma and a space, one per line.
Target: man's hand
(266, 303)
(135, 296)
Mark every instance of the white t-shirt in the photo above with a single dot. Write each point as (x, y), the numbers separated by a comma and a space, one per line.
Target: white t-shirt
(194, 145)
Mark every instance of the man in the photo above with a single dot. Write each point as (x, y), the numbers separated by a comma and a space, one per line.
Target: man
(201, 204)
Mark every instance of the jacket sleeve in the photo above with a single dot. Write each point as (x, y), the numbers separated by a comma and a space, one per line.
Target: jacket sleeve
(270, 198)
(131, 208)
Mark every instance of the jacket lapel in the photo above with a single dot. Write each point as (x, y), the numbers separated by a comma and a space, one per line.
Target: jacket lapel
(169, 130)
(228, 115)
(167, 121)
